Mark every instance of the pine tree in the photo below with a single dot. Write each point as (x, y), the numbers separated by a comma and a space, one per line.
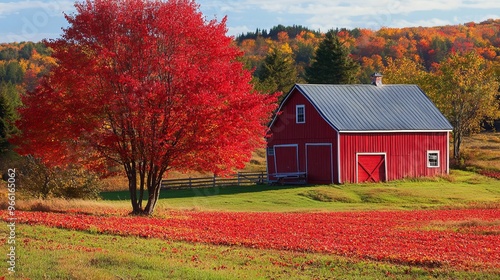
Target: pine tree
(9, 101)
(332, 63)
(278, 72)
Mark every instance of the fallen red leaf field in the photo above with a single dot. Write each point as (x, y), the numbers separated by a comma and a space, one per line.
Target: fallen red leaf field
(463, 239)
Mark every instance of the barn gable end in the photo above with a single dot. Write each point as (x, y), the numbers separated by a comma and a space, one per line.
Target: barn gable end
(291, 143)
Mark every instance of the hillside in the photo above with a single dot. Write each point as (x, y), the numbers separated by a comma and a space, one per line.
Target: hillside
(22, 63)
(372, 49)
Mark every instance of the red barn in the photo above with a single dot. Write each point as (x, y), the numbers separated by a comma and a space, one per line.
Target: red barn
(356, 133)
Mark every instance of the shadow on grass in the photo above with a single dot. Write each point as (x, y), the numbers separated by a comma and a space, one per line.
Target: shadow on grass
(196, 192)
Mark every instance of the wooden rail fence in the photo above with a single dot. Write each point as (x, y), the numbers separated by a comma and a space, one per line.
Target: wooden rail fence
(239, 179)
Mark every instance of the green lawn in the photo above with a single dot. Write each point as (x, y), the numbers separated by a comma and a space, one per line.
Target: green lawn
(460, 189)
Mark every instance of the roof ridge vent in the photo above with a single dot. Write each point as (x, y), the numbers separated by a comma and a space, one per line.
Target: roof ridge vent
(377, 79)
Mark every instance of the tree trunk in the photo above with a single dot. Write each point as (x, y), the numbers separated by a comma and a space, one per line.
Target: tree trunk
(456, 149)
(152, 199)
(148, 177)
(154, 187)
(151, 203)
(142, 174)
(157, 189)
(457, 141)
(46, 187)
(132, 187)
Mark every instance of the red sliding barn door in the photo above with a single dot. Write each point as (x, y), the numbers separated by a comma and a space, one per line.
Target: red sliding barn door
(286, 158)
(319, 163)
(371, 168)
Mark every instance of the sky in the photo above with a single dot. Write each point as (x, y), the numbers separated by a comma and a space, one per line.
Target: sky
(34, 20)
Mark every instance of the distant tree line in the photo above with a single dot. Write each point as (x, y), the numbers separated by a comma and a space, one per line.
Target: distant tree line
(272, 34)
(372, 50)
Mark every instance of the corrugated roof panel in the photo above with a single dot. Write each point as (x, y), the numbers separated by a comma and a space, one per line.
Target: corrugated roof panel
(373, 108)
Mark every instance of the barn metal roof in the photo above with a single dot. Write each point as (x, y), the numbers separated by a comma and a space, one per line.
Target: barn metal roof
(358, 108)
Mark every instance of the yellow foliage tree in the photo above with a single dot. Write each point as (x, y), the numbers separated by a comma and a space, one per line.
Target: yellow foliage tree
(466, 90)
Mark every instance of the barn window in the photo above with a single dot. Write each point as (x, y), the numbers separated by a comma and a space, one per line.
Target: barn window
(270, 151)
(432, 158)
(300, 114)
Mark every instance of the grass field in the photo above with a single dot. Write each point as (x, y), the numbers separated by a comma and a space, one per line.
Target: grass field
(54, 250)
(461, 189)
(482, 151)
(51, 253)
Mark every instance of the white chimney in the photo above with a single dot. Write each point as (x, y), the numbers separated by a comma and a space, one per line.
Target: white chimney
(377, 79)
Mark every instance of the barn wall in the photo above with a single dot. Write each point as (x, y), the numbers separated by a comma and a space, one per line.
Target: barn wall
(286, 131)
(406, 153)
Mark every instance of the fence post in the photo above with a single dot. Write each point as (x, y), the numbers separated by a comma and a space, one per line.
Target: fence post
(215, 179)
(190, 186)
(238, 174)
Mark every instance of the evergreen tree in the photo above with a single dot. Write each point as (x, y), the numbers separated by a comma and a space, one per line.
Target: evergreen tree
(9, 53)
(9, 101)
(278, 72)
(332, 63)
(13, 73)
(26, 51)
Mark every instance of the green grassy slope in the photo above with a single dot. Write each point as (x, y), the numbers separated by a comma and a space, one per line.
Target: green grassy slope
(460, 189)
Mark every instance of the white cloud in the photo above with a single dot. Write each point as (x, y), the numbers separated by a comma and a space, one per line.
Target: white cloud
(52, 8)
(32, 20)
(326, 14)
(24, 37)
(324, 22)
(474, 18)
(237, 30)
(346, 7)
(36, 16)
(424, 23)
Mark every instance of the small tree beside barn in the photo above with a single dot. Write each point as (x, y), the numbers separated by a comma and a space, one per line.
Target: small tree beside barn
(357, 133)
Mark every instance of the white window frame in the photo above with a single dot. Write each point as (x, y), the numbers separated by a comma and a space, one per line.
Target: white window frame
(270, 151)
(428, 159)
(303, 107)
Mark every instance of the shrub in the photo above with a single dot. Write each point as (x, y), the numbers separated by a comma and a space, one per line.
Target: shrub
(39, 181)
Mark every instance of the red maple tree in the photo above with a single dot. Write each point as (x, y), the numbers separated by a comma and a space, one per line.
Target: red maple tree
(149, 85)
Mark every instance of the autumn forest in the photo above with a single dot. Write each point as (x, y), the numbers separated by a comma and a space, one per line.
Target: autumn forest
(21, 63)
(372, 49)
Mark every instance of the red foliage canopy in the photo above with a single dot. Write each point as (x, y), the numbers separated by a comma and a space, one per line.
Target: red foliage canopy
(147, 84)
